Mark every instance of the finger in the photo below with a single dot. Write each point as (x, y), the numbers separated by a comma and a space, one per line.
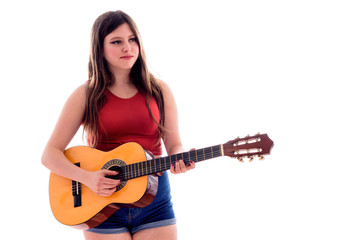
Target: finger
(182, 167)
(192, 165)
(177, 167)
(109, 186)
(172, 169)
(107, 191)
(160, 174)
(110, 172)
(108, 180)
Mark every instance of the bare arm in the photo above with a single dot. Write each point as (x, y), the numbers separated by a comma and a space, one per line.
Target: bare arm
(53, 156)
(172, 140)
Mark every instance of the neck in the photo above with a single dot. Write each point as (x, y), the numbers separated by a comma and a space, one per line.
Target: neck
(122, 76)
(123, 87)
(164, 163)
(122, 79)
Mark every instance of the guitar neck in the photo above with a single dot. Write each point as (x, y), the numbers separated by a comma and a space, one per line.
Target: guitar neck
(164, 163)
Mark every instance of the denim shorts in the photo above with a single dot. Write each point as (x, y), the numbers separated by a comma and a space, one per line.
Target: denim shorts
(158, 214)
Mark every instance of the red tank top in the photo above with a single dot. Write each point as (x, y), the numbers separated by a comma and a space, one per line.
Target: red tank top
(128, 120)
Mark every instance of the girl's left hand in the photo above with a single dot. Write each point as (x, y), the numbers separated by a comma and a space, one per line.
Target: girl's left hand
(180, 167)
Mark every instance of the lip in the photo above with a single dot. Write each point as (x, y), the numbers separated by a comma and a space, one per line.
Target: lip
(127, 57)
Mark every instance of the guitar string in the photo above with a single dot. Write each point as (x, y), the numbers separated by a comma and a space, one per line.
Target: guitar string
(158, 165)
(138, 169)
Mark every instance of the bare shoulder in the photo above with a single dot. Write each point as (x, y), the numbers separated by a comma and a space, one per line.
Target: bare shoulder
(75, 104)
(70, 119)
(166, 90)
(76, 101)
(79, 93)
(169, 100)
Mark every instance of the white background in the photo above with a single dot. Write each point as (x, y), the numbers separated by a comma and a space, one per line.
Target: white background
(286, 68)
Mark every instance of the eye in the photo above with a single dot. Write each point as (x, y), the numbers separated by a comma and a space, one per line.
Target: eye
(117, 42)
(133, 39)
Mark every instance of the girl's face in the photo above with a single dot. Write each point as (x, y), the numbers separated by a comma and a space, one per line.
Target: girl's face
(121, 49)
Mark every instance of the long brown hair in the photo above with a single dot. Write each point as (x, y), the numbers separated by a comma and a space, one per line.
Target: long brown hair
(100, 77)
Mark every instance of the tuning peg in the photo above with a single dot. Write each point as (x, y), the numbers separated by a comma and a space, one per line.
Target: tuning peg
(236, 143)
(261, 157)
(241, 159)
(251, 159)
(257, 134)
(247, 140)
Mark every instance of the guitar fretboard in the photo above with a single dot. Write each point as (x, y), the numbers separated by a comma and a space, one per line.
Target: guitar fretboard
(164, 163)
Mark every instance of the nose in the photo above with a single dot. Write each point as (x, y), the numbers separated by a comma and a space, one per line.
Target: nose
(126, 47)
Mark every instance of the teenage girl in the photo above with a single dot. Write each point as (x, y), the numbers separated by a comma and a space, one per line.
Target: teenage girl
(121, 102)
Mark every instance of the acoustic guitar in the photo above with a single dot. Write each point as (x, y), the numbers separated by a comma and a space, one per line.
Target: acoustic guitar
(74, 204)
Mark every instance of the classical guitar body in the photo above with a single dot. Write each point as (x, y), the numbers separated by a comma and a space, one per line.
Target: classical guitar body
(76, 205)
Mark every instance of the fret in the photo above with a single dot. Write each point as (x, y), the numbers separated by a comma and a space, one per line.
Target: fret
(208, 152)
(139, 169)
(146, 168)
(157, 165)
(178, 156)
(218, 151)
(192, 155)
(132, 170)
(200, 154)
(143, 169)
(150, 167)
(129, 170)
(168, 162)
(212, 152)
(154, 164)
(135, 170)
(126, 175)
(186, 158)
(165, 163)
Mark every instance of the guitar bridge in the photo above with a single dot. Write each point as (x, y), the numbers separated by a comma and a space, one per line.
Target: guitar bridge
(76, 191)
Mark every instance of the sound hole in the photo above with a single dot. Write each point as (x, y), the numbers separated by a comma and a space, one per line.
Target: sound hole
(115, 168)
(115, 165)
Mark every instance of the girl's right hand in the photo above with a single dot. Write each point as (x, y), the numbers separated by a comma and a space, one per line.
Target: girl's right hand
(100, 184)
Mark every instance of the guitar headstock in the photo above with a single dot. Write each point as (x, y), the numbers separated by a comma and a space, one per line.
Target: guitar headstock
(249, 147)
